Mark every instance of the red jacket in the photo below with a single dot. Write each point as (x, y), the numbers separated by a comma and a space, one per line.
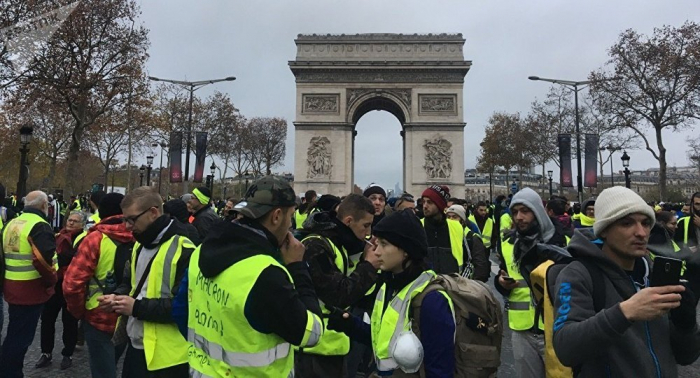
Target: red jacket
(82, 269)
(65, 250)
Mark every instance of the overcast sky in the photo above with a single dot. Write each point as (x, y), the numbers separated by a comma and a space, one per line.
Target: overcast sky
(507, 41)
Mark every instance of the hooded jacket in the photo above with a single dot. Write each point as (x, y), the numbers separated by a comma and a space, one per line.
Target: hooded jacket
(544, 241)
(332, 286)
(274, 304)
(606, 344)
(82, 269)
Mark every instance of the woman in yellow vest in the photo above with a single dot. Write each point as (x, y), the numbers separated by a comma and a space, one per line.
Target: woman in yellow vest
(404, 345)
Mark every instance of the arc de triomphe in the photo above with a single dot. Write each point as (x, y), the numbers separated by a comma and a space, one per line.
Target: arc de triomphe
(417, 78)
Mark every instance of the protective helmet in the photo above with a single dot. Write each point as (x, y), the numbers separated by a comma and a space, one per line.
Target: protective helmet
(407, 352)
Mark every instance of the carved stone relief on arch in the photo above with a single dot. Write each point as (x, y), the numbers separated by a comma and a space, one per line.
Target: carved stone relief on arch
(438, 158)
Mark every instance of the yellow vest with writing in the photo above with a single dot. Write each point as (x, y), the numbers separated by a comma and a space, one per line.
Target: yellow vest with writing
(18, 251)
(299, 219)
(163, 343)
(221, 341)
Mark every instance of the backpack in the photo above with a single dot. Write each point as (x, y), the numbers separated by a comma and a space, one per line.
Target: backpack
(479, 324)
(541, 277)
(121, 256)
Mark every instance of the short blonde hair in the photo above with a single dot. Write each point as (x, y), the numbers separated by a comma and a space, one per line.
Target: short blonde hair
(145, 197)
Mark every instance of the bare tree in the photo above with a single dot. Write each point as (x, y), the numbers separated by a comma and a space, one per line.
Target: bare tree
(266, 147)
(90, 65)
(657, 85)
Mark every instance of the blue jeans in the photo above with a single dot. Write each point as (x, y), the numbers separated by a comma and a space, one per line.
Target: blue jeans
(20, 335)
(103, 355)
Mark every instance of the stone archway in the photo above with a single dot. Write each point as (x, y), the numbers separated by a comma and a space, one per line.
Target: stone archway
(417, 78)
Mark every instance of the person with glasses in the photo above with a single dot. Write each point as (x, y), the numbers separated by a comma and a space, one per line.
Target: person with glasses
(158, 263)
(95, 271)
(57, 303)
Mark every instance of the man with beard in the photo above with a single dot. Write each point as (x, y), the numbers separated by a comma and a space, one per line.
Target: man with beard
(484, 222)
(333, 249)
(156, 347)
(445, 236)
(688, 232)
(522, 252)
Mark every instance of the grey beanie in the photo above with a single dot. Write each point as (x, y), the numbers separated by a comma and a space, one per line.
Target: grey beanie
(616, 203)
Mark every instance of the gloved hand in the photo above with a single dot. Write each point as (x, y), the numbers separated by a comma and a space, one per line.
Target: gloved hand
(340, 321)
(684, 316)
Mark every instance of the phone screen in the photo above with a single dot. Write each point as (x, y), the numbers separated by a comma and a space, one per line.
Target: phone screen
(667, 271)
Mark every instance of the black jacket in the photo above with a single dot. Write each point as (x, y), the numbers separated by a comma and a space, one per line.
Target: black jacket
(333, 287)
(204, 219)
(274, 304)
(151, 309)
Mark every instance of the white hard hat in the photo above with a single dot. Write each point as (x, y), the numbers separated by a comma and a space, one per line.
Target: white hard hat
(407, 352)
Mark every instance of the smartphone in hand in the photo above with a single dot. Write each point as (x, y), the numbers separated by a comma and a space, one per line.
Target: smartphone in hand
(666, 271)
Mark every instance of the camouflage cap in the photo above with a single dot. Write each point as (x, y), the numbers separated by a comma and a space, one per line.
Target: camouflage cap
(264, 195)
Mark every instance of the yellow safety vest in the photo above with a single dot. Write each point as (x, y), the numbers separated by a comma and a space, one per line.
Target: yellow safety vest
(77, 205)
(388, 324)
(521, 311)
(333, 343)
(105, 267)
(299, 219)
(163, 343)
(221, 341)
(456, 238)
(486, 232)
(79, 238)
(18, 251)
(506, 223)
(95, 218)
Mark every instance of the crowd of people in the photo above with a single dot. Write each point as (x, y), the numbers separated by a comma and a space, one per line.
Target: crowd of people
(279, 285)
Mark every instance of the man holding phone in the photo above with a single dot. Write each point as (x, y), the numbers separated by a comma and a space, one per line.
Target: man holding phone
(631, 329)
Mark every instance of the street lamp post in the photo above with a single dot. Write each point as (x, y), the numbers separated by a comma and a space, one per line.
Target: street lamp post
(25, 137)
(626, 163)
(149, 161)
(612, 149)
(576, 87)
(191, 86)
(549, 175)
(141, 169)
(213, 170)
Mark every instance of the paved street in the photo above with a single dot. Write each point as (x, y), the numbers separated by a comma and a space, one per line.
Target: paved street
(80, 366)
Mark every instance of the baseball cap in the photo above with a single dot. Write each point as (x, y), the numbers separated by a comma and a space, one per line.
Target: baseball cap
(264, 195)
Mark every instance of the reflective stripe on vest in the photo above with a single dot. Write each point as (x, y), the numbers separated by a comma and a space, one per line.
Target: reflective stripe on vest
(388, 324)
(105, 267)
(521, 312)
(222, 342)
(164, 345)
(456, 239)
(18, 251)
(487, 232)
(332, 343)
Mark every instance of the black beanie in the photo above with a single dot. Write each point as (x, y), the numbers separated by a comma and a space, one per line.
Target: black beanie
(110, 205)
(177, 208)
(404, 230)
(327, 202)
(374, 189)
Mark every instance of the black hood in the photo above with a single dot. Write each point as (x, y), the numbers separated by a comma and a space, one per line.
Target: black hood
(230, 242)
(582, 246)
